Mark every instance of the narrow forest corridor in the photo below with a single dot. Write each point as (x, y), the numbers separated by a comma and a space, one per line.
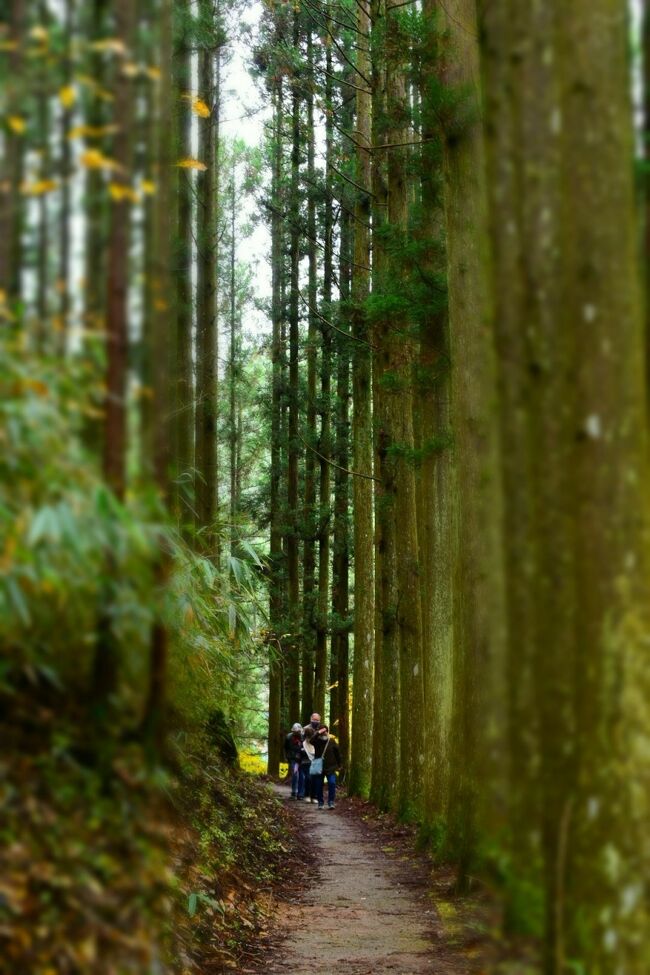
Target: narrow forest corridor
(324, 452)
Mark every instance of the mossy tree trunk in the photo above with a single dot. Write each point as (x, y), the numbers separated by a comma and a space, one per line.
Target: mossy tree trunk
(385, 770)
(479, 608)
(362, 434)
(608, 479)
(276, 551)
(325, 411)
(309, 508)
(398, 470)
(435, 519)
(294, 444)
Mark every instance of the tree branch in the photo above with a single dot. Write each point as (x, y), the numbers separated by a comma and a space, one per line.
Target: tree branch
(367, 477)
(326, 321)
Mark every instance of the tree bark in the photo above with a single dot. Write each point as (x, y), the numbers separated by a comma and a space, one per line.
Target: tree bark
(398, 463)
(184, 407)
(362, 441)
(608, 478)
(207, 336)
(340, 719)
(479, 609)
(65, 170)
(325, 407)
(276, 553)
(385, 768)
(11, 205)
(95, 192)
(309, 509)
(435, 521)
(293, 535)
(118, 266)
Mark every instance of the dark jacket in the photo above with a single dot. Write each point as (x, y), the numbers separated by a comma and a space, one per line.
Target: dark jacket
(330, 754)
(292, 747)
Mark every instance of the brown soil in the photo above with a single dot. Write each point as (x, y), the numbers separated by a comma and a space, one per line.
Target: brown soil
(368, 909)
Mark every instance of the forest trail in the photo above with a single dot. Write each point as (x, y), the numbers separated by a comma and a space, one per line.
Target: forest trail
(367, 913)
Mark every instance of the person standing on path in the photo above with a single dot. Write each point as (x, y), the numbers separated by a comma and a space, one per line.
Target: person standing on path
(304, 778)
(310, 731)
(293, 754)
(327, 749)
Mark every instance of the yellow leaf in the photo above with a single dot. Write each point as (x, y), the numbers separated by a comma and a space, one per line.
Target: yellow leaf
(112, 45)
(130, 69)
(200, 108)
(8, 45)
(94, 159)
(148, 187)
(92, 131)
(17, 124)
(79, 132)
(155, 74)
(39, 33)
(120, 192)
(68, 96)
(39, 187)
(89, 82)
(192, 164)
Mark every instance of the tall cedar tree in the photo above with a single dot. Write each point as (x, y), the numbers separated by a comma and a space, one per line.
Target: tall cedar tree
(362, 438)
(207, 334)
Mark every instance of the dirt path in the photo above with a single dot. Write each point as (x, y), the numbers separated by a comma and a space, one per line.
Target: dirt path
(370, 913)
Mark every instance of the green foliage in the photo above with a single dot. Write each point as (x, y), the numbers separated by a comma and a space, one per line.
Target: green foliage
(86, 868)
(415, 455)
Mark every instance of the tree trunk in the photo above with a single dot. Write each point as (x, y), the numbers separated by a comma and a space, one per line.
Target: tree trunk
(398, 463)
(183, 464)
(96, 204)
(362, 441)
(233, 367)
(309, 509)
(11, 204)
(293, 536)
(608, 479)
(65, 170)
(118, 261)
(341, 546)
(385, 769)
(435, 520)
(479, 609)
(106, 663)
(325, 407)
(207, 337)
(42, 327)
(276, 554)
(155, 711)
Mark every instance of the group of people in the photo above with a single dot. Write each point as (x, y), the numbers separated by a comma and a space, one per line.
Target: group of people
(313, 757)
